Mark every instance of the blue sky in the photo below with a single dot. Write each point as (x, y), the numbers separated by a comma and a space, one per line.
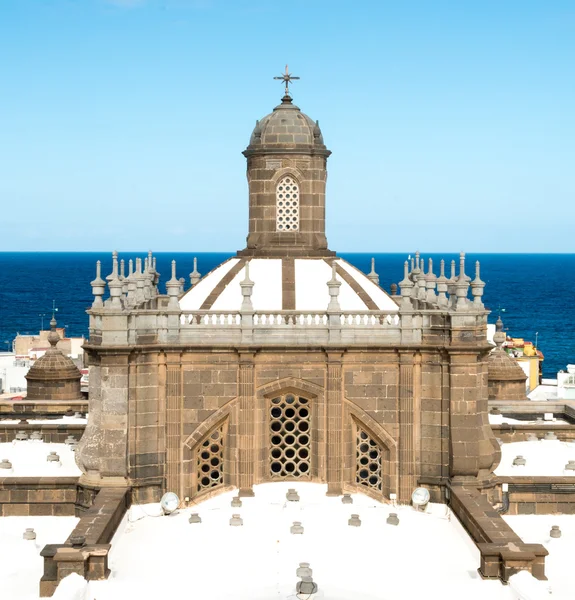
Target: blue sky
(451, 123)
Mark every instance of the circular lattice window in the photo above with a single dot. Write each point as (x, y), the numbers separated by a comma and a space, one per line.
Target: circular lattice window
(287, 205)
(290, 436)
(368, 461)
(210, 460)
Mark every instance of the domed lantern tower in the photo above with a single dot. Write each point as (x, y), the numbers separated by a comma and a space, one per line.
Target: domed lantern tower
(287, 175)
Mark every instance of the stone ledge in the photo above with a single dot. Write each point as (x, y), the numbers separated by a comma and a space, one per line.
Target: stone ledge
(38, 496)
(86, 550)
(503, 553)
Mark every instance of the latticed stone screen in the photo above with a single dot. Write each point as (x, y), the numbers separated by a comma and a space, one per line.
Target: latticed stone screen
(210, 460)
(290, 418)
(287, 205)
(368, 461)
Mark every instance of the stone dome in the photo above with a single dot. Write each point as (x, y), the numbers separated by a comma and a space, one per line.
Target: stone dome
(506, 379)
(287, 126)
(54, 376)
(283, 284)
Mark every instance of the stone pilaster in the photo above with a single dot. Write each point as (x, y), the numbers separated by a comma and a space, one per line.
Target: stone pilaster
(334, 401)
(246, 425)
(407, 458)
(173, 426)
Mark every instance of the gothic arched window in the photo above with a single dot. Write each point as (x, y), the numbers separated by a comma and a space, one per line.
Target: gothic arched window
(368, 461)
(287, 204)
(210, 460)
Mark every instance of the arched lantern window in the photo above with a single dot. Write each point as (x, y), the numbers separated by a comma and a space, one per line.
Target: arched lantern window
(287, 204)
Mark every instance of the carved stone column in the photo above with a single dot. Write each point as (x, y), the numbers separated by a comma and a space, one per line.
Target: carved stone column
(246, 425)
(334, 433)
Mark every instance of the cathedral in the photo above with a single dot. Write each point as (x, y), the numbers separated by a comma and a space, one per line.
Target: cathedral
(285, 362)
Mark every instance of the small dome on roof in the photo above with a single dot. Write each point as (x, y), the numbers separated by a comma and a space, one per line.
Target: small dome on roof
(54, 376)
(506, 378)
(287, 126)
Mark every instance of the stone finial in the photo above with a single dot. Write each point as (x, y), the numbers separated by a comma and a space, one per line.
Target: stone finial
(442, 286)
(114, 284)
(477, 288)
(555, 531)
(53, 457)
(430, 283)
(304, 570)
(114, 272)
(124, 279)
(317, 133)
(296, 528)
(195, 274)
(292, 495)
(53, 337)
(406, 287)
(236, 521)
(140, 282)
(182, 284)
(451, 286)
(132, 284)
(257, 132)
(247, 286)
(372, 274)
(354, 521)
(461, 285)
(499, 336)
(173, 289)
(333, 286)
(393, 289)
(98, 287)
(421, 290)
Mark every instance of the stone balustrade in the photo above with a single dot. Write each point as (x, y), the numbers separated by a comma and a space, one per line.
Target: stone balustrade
(144, 326)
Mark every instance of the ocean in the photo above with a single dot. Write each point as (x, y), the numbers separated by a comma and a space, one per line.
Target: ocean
(535, 291)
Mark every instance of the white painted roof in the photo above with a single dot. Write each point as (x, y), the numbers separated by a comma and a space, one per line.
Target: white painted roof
(21, 565)
(28, 459)
(311, 290)
(534, 529)
(428, 555)
(544, 458)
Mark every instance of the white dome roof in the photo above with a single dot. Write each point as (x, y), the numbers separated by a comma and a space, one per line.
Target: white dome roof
(277, 284)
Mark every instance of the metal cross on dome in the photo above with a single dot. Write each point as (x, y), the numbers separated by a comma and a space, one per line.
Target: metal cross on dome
(287, 77)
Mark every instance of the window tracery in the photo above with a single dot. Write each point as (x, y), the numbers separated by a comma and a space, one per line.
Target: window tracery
(287, 204)
(368, 461)
(290, 436)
